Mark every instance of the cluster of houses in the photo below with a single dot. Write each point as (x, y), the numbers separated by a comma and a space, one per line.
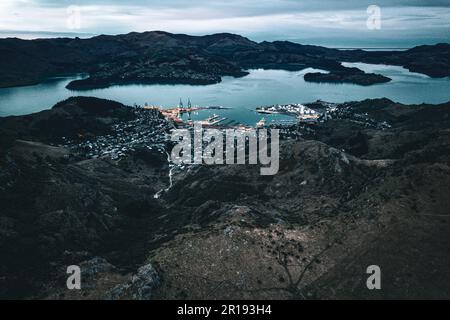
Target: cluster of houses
(348, 113)
(148, 129)
(323, 111)
(302, 112)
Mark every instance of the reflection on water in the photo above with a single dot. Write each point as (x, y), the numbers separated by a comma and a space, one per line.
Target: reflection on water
(243, 95)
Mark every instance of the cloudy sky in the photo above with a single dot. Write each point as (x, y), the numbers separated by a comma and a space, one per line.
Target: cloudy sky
(338, 23)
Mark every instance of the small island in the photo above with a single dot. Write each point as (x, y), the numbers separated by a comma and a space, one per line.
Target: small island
(347, 75)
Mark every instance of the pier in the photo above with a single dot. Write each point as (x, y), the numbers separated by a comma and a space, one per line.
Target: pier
(175, 114)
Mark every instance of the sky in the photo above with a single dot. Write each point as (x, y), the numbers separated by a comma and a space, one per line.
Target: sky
(334, 23)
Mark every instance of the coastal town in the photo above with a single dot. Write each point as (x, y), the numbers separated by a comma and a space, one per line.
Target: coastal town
(152, 126)
(148, 129)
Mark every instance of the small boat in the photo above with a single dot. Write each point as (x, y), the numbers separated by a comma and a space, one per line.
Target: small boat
(261, 123)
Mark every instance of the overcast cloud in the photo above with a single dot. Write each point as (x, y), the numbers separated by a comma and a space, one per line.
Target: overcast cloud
(329, 22)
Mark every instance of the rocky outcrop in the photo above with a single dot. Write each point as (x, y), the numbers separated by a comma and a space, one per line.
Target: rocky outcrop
(141, 286)
(100, 280)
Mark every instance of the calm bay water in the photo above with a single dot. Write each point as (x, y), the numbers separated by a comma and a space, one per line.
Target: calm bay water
(243, 95)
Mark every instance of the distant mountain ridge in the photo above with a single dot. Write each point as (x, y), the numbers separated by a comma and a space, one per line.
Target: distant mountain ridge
(162, 57)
